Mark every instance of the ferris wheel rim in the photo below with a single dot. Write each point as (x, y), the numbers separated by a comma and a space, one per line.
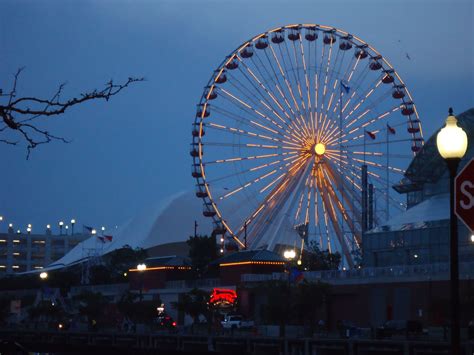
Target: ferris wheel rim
(209, 200)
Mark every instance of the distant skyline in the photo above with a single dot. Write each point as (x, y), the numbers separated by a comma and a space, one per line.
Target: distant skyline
(133, 151)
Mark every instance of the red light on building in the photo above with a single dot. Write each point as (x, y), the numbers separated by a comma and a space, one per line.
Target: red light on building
(222, 297)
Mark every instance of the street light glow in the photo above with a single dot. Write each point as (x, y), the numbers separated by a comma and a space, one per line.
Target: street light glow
(73, 221)
(93, 231)
(472, 238)
(289, 254)
(61, 223)
(451, 140)
(141, 267)
(48, 226)
(43, 275)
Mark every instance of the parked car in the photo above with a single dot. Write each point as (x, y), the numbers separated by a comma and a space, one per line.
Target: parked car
(165, 322)
(236, 322)
(407, 328)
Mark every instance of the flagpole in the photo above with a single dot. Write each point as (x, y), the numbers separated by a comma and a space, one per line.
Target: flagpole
(387, 214)
(341, 188)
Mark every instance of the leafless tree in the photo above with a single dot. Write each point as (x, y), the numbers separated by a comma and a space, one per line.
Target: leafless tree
(22, 114)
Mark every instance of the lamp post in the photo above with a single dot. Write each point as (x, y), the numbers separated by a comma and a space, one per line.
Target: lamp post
(141, 268)
(452, 145)
(43, 276)
(73, 222)
(61, 224)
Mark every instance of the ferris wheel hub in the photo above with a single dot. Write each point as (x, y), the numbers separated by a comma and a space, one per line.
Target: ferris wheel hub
(320, 149)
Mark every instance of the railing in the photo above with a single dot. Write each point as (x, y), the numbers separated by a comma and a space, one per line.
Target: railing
(104, 289)
(176, 343)
(180, 284)
(438, 271)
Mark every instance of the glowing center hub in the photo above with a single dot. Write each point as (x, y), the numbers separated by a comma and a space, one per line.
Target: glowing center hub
(319, 148)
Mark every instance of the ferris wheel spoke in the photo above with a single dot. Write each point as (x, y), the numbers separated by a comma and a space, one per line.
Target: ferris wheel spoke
(332, 186)
(274, 198)
(308, 85)
(239, 102)
(278, 84)
(296, 121)
(253, 157)
(299, 116)
(266, 90)
(276, 166)
(252, 123)
(250, 134)
(335, 225)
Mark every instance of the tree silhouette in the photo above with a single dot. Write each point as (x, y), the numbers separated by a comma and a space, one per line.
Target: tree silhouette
(20, 115)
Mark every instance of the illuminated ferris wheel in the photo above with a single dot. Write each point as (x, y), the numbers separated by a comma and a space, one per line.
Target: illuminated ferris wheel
(299, 136)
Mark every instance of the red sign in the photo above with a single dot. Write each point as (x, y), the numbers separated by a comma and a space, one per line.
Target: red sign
(223, 297)
(464, 195)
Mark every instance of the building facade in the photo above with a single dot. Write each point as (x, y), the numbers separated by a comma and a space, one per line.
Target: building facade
(420, 235)
(20, 252)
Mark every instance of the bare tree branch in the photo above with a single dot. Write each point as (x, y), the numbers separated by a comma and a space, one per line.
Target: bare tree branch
(20, 114)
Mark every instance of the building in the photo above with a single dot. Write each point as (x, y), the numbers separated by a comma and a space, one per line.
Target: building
(232, 266)
(420, 235)
(20, 252)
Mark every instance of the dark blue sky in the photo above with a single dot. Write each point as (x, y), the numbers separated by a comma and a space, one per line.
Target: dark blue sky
(132, 152)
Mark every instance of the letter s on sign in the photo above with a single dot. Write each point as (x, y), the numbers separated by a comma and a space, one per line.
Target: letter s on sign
(467, 194)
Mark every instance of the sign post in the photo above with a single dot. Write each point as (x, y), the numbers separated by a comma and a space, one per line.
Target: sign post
(464, 195)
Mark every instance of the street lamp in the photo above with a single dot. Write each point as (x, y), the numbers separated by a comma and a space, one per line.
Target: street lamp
(289, 254)
(61, 224)
(73, 222)
(43, 275)
(452, 145)
(141, 267)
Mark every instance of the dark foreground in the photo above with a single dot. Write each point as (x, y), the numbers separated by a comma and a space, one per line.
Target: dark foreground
(22, 342)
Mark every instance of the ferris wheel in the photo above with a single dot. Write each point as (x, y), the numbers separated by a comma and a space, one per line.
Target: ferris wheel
(299, 136)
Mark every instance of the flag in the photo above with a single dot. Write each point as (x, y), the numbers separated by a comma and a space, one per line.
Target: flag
(370, 134)
(345, 87)
(108, 238)
(87, 229)
(391, 129)
(296, 275)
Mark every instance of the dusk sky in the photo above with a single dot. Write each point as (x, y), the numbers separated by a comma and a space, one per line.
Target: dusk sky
(133, 151)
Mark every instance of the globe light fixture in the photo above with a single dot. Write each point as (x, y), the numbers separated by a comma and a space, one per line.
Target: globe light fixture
(1, 218)
(73, 222)
(452, 145)
(451, 140)
(93, 232)
(43, 275)
(289, 254)
(141, 267)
